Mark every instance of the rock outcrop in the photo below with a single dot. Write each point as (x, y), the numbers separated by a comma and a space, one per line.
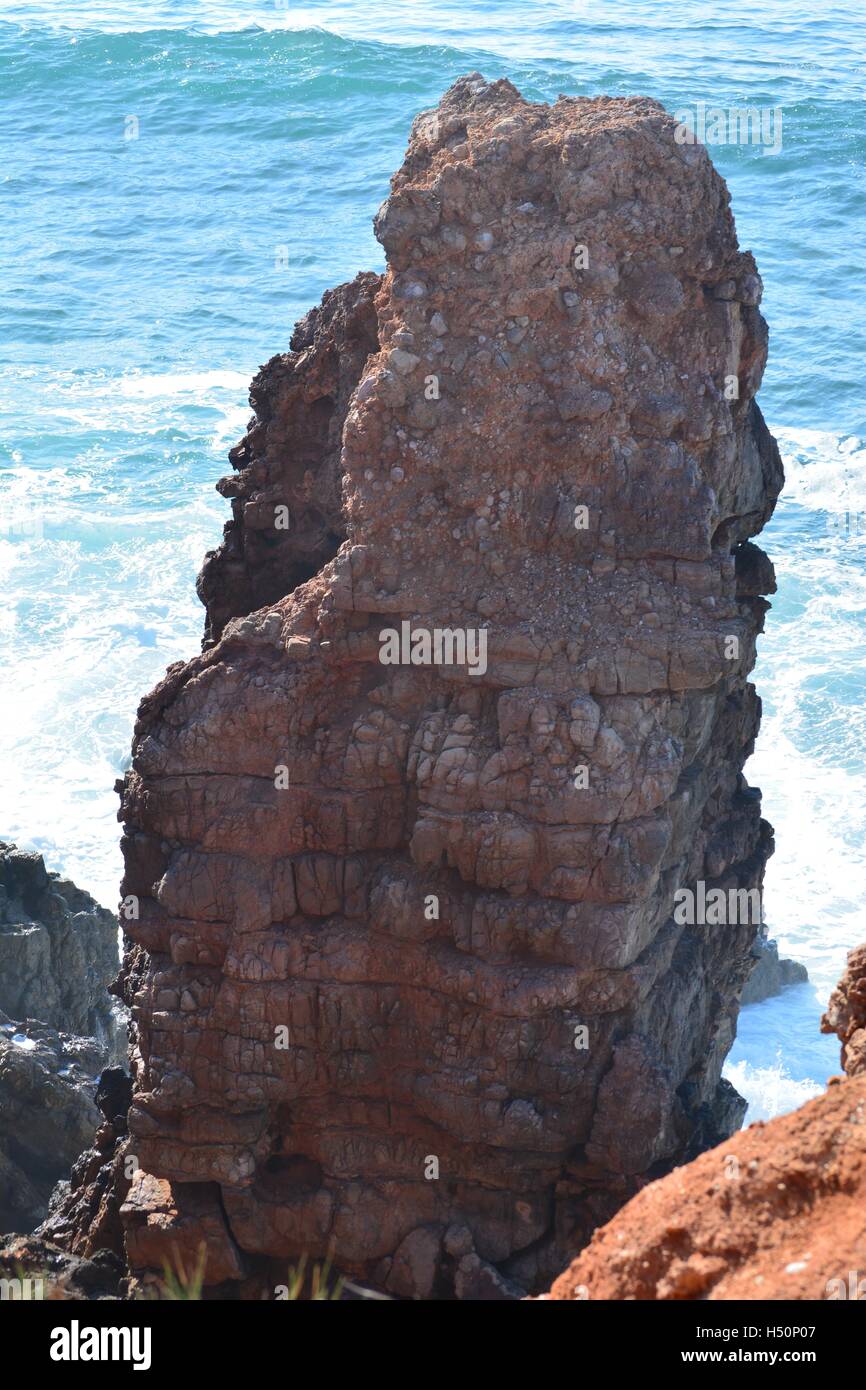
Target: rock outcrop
(58, 949)
(415, 980)
(290, 459)
(35, 1269)
(85, 1207)
(47, 1114)
(59, 1027)
(772, 973)
(846, 1013)
(774, 1213)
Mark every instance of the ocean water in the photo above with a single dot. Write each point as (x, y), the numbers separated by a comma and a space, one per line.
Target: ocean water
(181, 181)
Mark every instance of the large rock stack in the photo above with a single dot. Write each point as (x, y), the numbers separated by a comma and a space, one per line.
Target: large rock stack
(409, 977)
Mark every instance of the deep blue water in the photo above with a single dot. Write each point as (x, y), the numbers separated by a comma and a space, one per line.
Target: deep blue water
(180, 182)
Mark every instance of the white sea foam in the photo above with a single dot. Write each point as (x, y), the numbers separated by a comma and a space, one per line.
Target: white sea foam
(810, 758)
(102, 595)
(148, 403)
(770, 1090)
(823, 471)
(810, 763)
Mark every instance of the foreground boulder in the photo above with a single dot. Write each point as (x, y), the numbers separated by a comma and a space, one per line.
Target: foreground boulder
(417, 978)
(776, 1212)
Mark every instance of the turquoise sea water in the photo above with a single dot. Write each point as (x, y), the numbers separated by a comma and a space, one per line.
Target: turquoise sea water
(180, 182)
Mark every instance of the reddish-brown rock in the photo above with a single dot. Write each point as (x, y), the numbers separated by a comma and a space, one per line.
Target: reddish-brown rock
(178, 1227)
(407, 983)
(291, 458)
(846, 1013)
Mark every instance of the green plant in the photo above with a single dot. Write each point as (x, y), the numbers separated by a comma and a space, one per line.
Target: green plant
(320, 1288)
(181, 1284)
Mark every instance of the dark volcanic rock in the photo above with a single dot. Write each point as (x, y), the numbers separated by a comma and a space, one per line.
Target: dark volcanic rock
(408, 983)
(58, 956)
(49, 1272)
(85, 1215)
(58, 949)
(47, 1114)
(772, 972)
(85, 1210)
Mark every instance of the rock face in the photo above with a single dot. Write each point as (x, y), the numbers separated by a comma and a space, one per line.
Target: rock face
(776, 1212)
(58, 948)
(291, 458)
(85, 1209)
(408, 981)
(58, 955)
(846, 1013)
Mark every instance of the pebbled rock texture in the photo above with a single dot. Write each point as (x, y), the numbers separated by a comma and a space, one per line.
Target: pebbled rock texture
(775, 1213)
(407, 983)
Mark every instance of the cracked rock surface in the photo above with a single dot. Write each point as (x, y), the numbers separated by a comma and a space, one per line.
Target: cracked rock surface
(407, 983)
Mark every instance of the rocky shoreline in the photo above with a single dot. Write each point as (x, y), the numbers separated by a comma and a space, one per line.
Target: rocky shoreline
(59, 1029)
(59, 951)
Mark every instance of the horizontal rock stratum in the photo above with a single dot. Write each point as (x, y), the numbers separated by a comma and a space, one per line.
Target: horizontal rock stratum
(407, 979)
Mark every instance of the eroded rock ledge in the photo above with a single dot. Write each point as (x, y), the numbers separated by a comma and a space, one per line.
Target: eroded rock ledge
(406, 981)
